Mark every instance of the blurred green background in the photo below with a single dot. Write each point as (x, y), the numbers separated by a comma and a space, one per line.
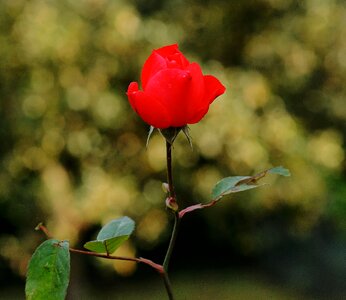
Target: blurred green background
(72, 152)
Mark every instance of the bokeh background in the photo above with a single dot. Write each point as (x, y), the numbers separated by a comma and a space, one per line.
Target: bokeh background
(73, 155)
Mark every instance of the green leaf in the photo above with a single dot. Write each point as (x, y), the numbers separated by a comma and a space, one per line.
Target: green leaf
(231, 185)
(106, 246)
(48, 271)
(235, 184)
(112, 235)
(280, 171)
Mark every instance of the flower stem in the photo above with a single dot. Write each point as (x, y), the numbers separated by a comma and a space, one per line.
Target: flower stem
(176, 222)
(168, 285)
(169, 169)
(172, 242)
(176, 214)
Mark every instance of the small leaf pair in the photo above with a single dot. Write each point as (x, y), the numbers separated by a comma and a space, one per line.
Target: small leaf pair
(111, 236)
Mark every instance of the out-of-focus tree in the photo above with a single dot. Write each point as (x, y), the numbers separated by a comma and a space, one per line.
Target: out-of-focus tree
(73, 153)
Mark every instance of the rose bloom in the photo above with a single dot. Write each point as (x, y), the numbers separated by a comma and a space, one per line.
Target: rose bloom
(175, 92)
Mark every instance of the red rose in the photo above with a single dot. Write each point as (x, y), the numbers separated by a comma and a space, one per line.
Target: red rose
(175, 92)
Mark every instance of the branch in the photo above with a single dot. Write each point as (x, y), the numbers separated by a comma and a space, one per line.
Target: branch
(159, 268)
(148, 262)
(197, 206)
(44, 229)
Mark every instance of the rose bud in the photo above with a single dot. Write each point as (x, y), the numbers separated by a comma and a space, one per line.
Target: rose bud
(174, 91)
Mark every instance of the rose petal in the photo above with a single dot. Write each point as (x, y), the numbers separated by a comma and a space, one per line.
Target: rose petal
(171, 88)
(167, 50)
(174, 58)
(153, 64)
(133, 87)
(213, 88)
(177, 60)
(199, 114)
(148, 108)
(197, 85)
(195, 96)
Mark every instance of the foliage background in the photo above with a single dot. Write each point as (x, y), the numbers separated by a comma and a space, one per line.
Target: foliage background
(73, 154)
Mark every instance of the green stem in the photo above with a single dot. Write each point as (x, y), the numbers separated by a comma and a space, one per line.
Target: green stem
(176, 222)
(169, 169)
(172, 242)
(168, 285)
(176, 214)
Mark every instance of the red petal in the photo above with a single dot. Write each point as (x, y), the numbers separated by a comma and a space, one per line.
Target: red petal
(171, 88)
(148, 108)
(167, 50)
(213, 88)
(133, 88)
(153, 64)
(162, 58)
(174, 58)
(196, 93)
(199, 115)
(197, 85)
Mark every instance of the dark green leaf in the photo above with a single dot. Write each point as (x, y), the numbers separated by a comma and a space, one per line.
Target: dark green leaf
(48, 271)
(112, 235)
